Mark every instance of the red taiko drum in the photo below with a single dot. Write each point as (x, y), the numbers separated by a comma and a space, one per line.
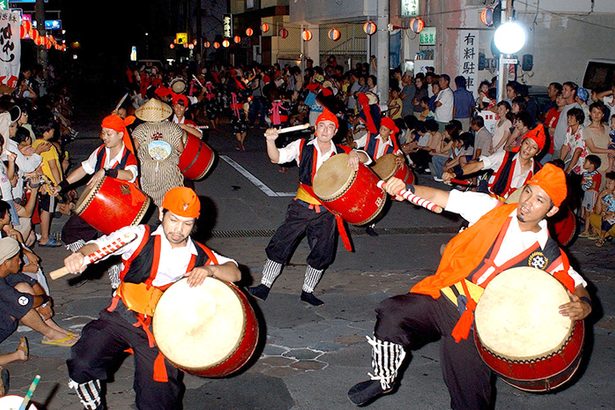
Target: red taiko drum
(208, 330)
(520, 333)
(196, 159)
(351, 194)
(112, 204)
(387, 166)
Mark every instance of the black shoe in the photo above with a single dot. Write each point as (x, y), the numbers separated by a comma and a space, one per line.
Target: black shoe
(371, 231)
(261, 291)
(309, 297)
(362, 394)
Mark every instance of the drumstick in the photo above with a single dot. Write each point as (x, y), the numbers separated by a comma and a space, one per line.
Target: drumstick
(294, 128)
(197, 81)
(26, 399)
(99, 254)
(117, 107)
(415, 199)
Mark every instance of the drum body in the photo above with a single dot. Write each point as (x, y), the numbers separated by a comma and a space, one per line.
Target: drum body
(196, 159)
(386, 167)
(520, 333)
(208, 330)
(112, 204)
(14, 402)
(351, 194)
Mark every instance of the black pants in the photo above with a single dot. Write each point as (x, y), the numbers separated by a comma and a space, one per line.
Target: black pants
(103, 341)
(76, 228)
(320, 229)
(412, 320)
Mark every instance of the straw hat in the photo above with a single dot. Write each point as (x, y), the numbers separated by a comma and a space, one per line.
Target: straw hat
(153, 111)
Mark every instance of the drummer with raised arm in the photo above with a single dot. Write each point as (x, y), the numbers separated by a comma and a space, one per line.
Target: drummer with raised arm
(115, 158)
(500, 237)
(306, 215)
(156, 259)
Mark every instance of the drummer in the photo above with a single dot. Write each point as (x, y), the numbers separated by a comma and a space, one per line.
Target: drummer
(512, 170)
(499, 237)
(114, 158)
(385, 142)
(151, 263)
(180, 106)
(306, 215)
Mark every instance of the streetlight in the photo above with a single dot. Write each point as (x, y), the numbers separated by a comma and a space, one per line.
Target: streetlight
(509, 38)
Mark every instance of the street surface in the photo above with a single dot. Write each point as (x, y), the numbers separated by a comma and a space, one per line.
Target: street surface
(309, 357)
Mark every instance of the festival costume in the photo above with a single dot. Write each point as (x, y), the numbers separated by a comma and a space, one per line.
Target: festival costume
(494, 243)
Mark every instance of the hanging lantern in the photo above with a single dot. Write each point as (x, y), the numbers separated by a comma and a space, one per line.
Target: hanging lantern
(306, 35)
(34, 34)
(417, 24)
(283, 32)
(172, 46)
(369, 27)
(334, 34)
(194, 42)
(225, 43)
(216, 44)
(486, 16)
(249, 31)
(207, 44)
(27, 25)
(22, 32)
(237, 39)
(264, 27)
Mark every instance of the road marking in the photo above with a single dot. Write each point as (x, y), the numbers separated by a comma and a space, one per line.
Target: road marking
(259, 184)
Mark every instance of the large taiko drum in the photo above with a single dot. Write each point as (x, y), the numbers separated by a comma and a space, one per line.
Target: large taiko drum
(351, 194)
(562, 226)
(208, 330)
(387, 166)
(112, 204)
(196, 159)
(14, 403)
(520, 333)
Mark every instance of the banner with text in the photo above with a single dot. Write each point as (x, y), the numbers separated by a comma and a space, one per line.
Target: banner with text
(10, 47)
(468, 58)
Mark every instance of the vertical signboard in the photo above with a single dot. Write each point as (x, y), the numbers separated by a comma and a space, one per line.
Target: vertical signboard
(10, 47)
(409, 8)
(227, 25)
(468, 58)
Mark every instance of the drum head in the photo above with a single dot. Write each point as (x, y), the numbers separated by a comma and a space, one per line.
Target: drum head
(87, 196)
(333, 177)
(14, 403)
(518, 317)
(178, 85)
(198, 327)
(385, 166)
(515, 196)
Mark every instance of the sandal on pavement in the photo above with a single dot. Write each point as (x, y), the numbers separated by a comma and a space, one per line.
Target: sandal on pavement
(600, 243)
(67, 341)
(51, 243)
(584, 235)
(24, 347)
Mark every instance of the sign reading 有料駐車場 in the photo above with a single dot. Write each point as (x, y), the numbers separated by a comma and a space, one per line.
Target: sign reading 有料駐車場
(468, 58)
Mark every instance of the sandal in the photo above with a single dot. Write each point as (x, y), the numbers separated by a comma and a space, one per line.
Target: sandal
(51, 243)
(24, 347)
(600, 243)
(4, 381)
(67, 341)
(585, 234)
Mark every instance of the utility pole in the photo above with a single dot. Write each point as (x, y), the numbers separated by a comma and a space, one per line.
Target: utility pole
(41, 51)
(199, 31)
(382, 53)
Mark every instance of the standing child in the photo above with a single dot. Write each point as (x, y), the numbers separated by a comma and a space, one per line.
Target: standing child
(52, 171)
(605, 208)
(612, 145)
(591, 185)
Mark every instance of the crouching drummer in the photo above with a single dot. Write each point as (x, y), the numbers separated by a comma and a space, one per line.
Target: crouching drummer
(151, 263)
(442, 305)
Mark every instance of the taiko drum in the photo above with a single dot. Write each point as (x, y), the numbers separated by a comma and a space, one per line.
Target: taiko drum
(196, 159)
(387, 166)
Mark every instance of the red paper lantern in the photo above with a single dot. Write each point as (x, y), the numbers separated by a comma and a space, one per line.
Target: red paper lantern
(27, 25)
(417, 24)
(249, 32)
(206, 44)
(334, 34)
(369, 27)
(225, 43)
(486, 16)
(306, 35)
(237, 39)
(172, 46)
(34, 35)
(216, 44)
(283, 32)
(22, 32)
(264, 27)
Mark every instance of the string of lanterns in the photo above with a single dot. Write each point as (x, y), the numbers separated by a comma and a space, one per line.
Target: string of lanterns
(27, 32)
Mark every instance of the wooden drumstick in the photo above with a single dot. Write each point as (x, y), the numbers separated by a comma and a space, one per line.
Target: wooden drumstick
(294, 128)
(197, 81)
(117, 107)
(415, 199)
(99, 254)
